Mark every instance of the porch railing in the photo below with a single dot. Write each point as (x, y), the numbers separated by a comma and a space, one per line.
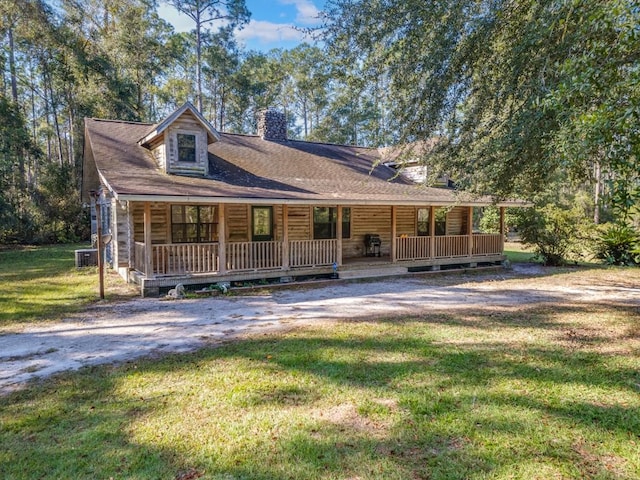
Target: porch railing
(180, 258)
(312, 253)
(138, 256)
(254, 256)
(487, 244)
(413, 248)
(419, 248)
(451, 246)
(177, 259)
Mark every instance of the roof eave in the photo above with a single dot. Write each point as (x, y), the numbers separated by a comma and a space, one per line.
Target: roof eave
(212, 135)
(325, 200)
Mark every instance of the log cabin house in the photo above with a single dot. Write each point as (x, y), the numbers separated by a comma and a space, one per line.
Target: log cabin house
(186, 204)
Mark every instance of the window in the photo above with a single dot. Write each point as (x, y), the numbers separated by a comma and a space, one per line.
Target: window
(186, 147)
(262, 224)
(325, 219)
(423, 222)
(441, 221)
(193, 224)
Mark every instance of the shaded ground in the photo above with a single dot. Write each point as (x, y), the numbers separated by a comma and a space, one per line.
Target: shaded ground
(123, 331)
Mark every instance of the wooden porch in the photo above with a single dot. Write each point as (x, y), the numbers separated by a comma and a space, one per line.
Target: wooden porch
(254, 257)
(156, 263)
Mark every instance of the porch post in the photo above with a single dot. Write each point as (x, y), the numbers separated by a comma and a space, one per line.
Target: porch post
(285, 237)
(131, 242)
(148, 268)
(339, 235)
(432, 231)
(222, 240)
(393, 232)
(502, 229)
(470, 230)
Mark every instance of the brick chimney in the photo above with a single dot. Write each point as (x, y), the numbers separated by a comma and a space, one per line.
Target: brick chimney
(272, 125)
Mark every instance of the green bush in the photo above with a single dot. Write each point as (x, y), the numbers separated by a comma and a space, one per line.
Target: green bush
(618, 245)
(556, 232)
(490, 220)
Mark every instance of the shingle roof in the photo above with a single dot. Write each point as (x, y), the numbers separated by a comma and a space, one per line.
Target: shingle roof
(250, 168)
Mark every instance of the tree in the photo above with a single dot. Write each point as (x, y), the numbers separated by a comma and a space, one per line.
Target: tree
(255, 86)
(222, 60)
(205, 12)
(15, 144)
(515, 90)
(309, 75)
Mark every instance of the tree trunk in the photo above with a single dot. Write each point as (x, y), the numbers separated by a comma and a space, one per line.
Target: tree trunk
(222, 106)
(199, 60)
(54, 113)
(304, 116)
(12, 67)
(596, 196)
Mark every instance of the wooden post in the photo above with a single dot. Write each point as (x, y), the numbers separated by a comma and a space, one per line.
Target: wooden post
(148, 266)
(470, 230)
(432, 231)
(339, 235)
(222, 240)
(394, 232)
(96, 196)
(168, 224)
(131, 242)
(285, 237)
(502, 229)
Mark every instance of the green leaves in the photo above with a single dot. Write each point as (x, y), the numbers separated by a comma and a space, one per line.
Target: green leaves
(517, 90)
(618, 244)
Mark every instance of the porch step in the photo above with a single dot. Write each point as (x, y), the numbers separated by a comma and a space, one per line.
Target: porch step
(373, 272)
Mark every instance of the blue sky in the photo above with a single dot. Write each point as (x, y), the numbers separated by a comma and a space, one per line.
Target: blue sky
(272, 22)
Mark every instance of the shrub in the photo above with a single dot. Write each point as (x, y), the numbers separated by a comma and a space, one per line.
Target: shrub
(490, 220)
(618, 245)
(557, 233)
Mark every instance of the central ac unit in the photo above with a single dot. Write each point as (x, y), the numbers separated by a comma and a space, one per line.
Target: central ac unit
(87, 257)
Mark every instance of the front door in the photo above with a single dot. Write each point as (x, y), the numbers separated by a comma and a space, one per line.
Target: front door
(261, 224)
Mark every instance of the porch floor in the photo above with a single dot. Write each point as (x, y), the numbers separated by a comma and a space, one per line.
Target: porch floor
(359, 261)
(351, 268)
(369, 267)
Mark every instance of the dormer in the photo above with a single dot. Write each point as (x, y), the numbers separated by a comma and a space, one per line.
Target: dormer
(180, 142)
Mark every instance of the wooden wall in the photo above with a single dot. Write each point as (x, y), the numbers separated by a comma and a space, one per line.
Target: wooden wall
(238, 222)
(457, 221)
(160, 222)
(300, 223)
(368, 219)
(406, 221)
(120, 229)
(159, 152)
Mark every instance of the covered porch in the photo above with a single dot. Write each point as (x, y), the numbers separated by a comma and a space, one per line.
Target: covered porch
(161, 264)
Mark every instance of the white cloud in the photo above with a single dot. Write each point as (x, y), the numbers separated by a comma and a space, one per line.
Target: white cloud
(269, 32)
(308, 13)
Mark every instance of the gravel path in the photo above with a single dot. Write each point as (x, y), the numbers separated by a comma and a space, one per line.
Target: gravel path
(108, 332)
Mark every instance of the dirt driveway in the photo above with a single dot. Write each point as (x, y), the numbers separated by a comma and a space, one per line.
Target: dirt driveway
(110, 332)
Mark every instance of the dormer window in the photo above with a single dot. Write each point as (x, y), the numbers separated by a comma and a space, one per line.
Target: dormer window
(179, 143)
(186, 147)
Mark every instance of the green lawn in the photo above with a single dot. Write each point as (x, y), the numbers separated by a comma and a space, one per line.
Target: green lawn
(516, 252)
(532, 392)
(551, 391)
(42, 283)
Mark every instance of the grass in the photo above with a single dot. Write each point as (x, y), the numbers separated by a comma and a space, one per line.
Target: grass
(42, 283)
(536, 392)
(517, 252)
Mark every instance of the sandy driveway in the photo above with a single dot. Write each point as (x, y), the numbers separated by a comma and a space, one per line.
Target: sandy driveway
(123, 331)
